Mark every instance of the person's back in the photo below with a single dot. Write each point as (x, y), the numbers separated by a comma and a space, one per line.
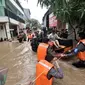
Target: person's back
(34, 44)
(45, 71)
(20, 37)
(46, 51)
(24, 36)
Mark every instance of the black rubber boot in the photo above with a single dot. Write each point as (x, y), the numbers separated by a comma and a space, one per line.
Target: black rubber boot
(79, 64)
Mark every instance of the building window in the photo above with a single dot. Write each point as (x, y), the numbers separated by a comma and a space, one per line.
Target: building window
(0, 1)
(15, 0)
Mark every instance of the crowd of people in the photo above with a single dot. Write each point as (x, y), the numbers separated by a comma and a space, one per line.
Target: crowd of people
(49, 49)
(46, 54)
(44, 37)
(21, 37)
(36, 37)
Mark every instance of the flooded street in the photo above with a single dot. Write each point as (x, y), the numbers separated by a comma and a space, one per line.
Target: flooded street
(21, 61)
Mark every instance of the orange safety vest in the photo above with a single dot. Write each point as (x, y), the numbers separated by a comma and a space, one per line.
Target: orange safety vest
(42, 69)
(30, 36)
(81, 55)
(42, 51)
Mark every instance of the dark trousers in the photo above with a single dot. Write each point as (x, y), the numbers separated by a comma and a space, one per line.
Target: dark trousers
(79, 64)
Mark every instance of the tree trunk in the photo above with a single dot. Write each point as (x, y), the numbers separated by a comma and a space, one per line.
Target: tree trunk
(75, 36)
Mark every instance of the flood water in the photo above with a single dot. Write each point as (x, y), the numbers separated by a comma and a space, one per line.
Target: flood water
(21, 62)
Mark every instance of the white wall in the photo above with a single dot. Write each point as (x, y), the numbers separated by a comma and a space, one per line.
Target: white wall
(8, 31)
(12, 21)
(2, 33)
(3, 19)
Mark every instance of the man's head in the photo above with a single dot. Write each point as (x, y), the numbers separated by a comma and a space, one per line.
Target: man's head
(53, 30)
(82, 35)
(45, 40)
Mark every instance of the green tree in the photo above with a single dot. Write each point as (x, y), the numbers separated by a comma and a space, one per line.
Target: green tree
(33, 24)
(70, 11)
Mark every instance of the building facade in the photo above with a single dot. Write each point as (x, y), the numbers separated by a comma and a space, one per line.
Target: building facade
(27, 14)
(11, 18)
(50, 21)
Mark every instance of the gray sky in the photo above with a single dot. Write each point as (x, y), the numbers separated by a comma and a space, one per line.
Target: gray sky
(36, 12)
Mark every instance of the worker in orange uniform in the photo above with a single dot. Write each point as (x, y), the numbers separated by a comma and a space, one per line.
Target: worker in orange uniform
(45, 71)
(43, 51)
(79, 50)
(30, 36)
(46, 51)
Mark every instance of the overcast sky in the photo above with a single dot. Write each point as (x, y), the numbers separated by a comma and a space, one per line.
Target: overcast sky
(36, 12)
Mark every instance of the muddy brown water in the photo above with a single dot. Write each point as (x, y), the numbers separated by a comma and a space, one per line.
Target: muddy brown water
(21, 62)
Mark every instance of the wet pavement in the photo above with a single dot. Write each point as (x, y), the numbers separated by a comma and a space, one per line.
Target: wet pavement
(21, 62)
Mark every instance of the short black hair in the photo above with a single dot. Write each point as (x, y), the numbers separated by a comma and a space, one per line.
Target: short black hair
(82, 34)
(45, 40)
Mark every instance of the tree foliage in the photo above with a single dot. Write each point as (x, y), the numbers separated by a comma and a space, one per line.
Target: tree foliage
(33, 24)
(70, 11)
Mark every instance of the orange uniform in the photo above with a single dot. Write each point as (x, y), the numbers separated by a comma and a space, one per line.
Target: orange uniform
(42, 51)
(81, 55)
(30, 36)
(42, 69)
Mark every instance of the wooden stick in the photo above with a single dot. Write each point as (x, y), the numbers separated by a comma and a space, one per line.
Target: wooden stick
(38, 76)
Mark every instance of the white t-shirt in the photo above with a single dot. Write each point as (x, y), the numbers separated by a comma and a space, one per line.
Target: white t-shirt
(53, 36)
